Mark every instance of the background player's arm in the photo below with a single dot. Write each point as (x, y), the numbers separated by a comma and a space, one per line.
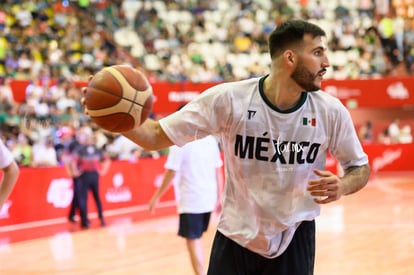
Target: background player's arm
(149, 135)
(10, 175)
(166, 182)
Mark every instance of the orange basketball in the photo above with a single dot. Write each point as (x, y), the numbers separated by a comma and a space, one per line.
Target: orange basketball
(118, 98)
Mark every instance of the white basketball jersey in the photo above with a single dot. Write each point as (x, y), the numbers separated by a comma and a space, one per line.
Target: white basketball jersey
(269, 156)
(195, 181)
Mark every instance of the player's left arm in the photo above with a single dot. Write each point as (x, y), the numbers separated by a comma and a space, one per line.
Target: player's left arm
(329, 187)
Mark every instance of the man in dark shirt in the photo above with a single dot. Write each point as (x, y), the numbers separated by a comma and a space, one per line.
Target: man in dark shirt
(88, 163)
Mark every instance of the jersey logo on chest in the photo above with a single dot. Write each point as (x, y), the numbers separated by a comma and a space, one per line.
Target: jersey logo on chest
(284, 152)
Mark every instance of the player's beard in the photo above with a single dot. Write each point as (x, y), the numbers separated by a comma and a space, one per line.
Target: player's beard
(305, 78)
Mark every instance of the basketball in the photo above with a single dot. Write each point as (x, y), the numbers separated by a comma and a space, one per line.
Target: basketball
(118, 98)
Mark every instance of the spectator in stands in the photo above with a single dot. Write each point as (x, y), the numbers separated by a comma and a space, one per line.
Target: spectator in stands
(58, 90)
(342, 12)
(65, 142)
(69, 100)
(135, 155)
(70, 117)
(10, 119)
(382, 7)
(366, 8)
(10, 171)
(24, 147)
(409, 45)
(6, 93)
(11, 146)
(44, 153)
(386, 30)
(317, 11)
(122, 148)
(394, 130)
(405, 135)
(384, 137)
(366, 69)
(365, 133)
(399, 27)
(347, 40)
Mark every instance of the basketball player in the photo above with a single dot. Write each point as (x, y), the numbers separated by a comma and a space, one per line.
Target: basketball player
(195, 168)
(275, 132)
(10, 173)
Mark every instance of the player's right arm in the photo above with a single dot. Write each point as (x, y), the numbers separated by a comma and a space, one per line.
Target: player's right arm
(149, 135)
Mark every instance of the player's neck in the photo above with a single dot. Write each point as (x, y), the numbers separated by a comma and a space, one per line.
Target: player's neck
(280, 94)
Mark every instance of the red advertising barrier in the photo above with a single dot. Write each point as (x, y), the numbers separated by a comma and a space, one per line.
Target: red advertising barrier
(384, 158)
(169, 96)
(362, 93)
(398, 157)
(46, 193)
(373, 93)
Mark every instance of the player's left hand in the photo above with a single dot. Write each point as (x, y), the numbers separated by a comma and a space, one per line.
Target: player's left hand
(325, 189)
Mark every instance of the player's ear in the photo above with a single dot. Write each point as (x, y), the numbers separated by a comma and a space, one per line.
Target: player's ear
(290, 56)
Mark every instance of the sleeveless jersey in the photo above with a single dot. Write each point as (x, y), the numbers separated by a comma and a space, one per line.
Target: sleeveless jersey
(269, 156)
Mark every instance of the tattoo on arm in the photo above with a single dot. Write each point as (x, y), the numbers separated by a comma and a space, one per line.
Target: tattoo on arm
(355, 179)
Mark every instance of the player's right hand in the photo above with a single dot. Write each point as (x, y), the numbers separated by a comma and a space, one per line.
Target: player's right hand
(82, 100)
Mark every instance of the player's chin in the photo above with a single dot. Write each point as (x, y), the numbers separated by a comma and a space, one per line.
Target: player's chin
(314, 88)
(318, 81)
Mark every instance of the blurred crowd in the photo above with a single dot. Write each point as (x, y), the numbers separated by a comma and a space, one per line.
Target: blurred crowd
(53, 44)
(395, 132)
(226, 40)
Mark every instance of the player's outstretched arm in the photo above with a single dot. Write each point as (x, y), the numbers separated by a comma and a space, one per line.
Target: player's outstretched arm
(149, 135)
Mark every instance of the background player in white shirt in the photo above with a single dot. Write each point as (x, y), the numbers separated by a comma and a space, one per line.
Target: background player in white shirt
(275, 132)
(195, 170)
(10, 173)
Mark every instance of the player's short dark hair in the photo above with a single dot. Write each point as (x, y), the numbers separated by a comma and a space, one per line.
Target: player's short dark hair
(290, 33)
